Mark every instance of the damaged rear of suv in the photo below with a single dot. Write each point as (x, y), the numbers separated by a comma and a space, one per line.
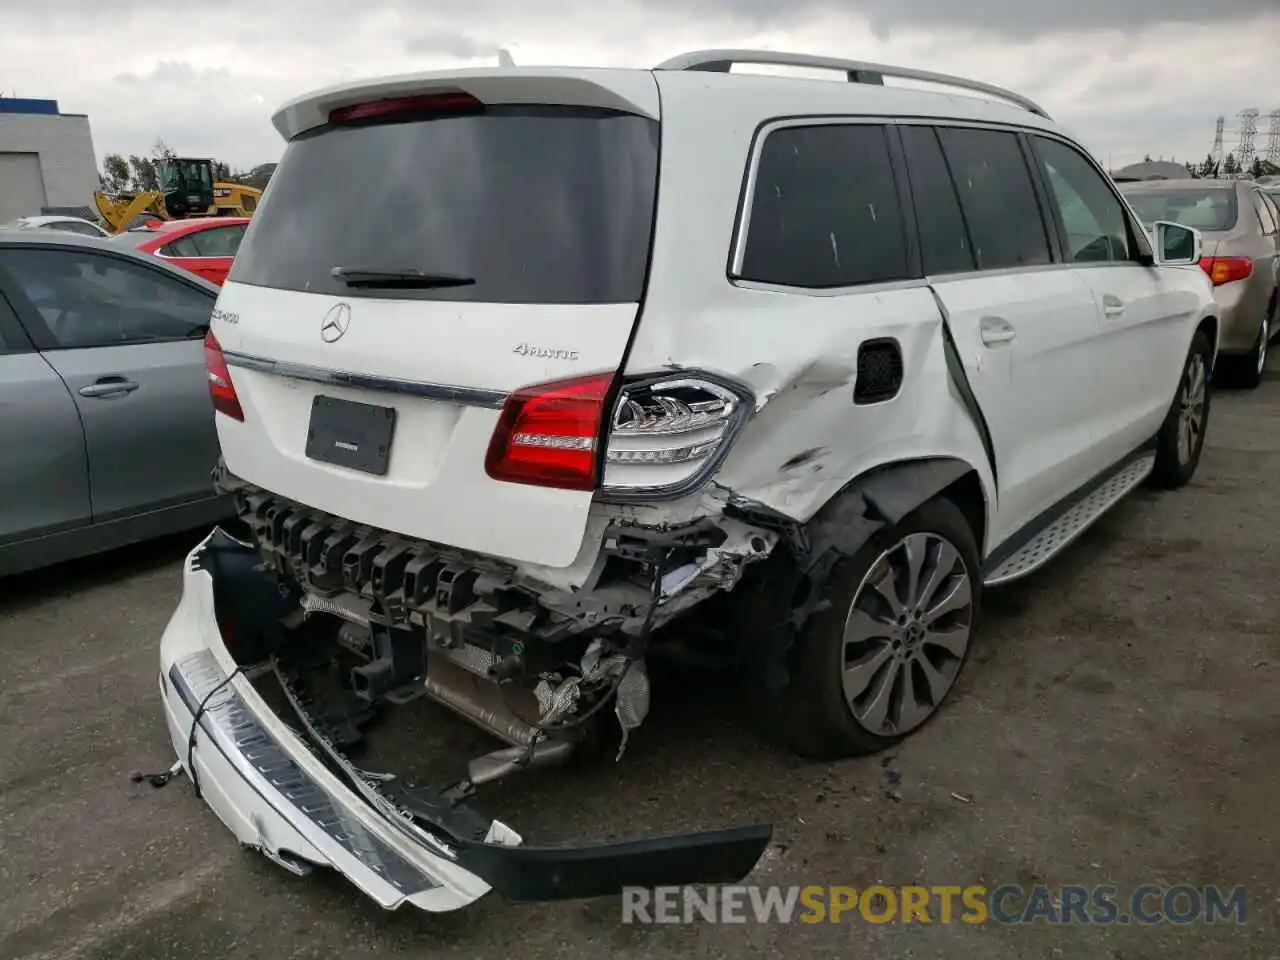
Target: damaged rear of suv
(519, 369)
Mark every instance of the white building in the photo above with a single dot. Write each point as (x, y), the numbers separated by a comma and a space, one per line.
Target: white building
(46, 158)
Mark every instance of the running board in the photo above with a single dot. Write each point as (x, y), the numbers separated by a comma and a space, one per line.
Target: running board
(1059, 534)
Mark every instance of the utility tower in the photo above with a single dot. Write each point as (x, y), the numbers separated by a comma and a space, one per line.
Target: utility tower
(1245, 152)
(1217, 151)
(1273, 138)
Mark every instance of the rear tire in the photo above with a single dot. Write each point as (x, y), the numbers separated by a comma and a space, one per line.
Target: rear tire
(885, 647)
(1245, 372)
(1181, 438)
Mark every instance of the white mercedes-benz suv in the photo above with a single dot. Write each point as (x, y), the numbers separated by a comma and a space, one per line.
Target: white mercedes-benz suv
(527, 376)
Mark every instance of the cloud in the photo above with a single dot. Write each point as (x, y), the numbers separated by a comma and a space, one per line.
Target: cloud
(450, 44)
(1128, 77)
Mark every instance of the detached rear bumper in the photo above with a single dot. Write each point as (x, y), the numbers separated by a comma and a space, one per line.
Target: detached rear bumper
(276, 795)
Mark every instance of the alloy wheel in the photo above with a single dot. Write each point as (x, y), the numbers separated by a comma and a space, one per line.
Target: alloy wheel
(1262, 344)
(906, 634)
(1191, 412)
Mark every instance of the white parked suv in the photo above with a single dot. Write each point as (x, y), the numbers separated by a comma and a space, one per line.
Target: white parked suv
(524, 376)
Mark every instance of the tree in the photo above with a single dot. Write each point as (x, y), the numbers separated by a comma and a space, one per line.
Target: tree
(142, 174)
(222, 172)
(1146, 158)
(115, 173)
(1207, 169)
(1229, 165)
(161, 151)
(1256, 170)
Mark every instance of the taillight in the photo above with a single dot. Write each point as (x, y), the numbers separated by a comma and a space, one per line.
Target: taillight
(454, 102)
(666, 434)
(221, 390)
(1226, 269)
(547, 434)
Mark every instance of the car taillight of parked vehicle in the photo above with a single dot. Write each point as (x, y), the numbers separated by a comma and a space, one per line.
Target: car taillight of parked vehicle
(663, 434)
(221, 388)
(1226, 269)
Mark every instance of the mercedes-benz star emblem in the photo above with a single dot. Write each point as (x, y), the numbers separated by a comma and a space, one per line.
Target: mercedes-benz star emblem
(335, 322)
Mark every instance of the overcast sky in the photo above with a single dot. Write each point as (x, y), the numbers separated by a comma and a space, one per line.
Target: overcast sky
(1128, 76)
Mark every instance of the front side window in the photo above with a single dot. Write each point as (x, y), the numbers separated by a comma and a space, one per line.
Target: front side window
(997, 197)
(90, 300)
(1093, 221)
(825, 210)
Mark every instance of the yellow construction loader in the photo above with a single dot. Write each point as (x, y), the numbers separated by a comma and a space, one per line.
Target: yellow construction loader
(187, 189)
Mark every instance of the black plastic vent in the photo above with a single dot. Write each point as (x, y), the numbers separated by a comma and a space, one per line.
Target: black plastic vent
(879, 372)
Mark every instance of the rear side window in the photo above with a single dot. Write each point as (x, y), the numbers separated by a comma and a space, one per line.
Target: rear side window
(997, 197)
(944, 242)
(531, 204)
(825, 209)
(182, 247)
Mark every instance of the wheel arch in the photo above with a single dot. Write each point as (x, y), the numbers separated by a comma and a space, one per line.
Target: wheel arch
(768, 611)
(778, 596)
(1210, 326)
(893, 490)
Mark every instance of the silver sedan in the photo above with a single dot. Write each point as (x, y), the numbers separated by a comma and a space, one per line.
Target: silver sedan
(105, 418)
(1241, 229)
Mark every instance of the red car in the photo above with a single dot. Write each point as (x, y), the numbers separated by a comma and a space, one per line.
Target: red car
(204, 245)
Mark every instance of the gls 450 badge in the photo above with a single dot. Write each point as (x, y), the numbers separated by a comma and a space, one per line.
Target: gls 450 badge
(544, 353)
(224, 316)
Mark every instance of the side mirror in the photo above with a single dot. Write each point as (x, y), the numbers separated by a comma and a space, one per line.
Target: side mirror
(1175, 245)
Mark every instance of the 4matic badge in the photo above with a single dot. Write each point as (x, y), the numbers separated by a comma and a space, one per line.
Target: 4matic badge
(544, 353)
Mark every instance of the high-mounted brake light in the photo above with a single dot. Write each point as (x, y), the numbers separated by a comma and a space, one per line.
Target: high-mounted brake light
(221, 390)
(1226, 269)
(456, 102)
(547, 434)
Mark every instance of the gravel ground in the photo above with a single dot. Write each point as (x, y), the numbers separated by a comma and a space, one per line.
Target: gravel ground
(1120, 725)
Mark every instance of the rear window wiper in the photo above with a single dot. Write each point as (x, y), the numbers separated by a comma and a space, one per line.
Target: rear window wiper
(408, 278)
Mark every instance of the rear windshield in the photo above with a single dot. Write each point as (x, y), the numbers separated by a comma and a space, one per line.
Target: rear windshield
(1212, 209)
(534, 204)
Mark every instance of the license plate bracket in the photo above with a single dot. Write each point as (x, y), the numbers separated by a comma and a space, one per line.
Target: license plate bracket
(350, 434)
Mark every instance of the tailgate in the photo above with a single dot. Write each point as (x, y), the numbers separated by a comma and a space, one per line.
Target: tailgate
(406, 273)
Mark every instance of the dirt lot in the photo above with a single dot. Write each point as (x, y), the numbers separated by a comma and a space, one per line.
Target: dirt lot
(1121, 725)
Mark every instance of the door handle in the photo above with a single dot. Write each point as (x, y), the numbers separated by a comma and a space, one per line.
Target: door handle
(107, 387)
(1112, 306)
(994, 330)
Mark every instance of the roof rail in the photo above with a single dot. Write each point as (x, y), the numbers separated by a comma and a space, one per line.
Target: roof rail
(719, 61)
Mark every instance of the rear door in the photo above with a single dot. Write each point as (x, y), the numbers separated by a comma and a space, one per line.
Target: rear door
(44, 483)
(1025, 331)
(126, 339)
(1145, 312)
(525, 220)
